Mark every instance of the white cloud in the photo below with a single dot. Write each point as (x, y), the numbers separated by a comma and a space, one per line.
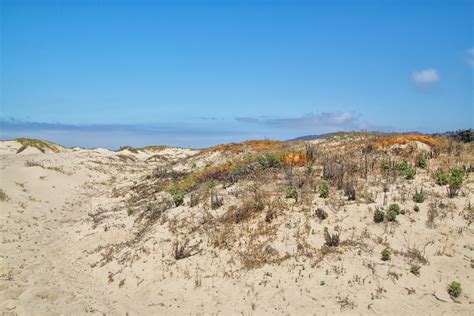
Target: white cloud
(470, 56)
(425, 76)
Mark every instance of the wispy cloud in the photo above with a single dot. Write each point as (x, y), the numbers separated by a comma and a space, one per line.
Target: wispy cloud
(470, 56)
(117, 135)
(426, 76)
(326, 121)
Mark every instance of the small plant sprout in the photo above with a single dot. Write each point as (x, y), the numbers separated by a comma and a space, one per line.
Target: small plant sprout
(386, 254)
(291, 193)
(415, 269)
(454, 289)
(211, 184)
(178, 198)
(129, 211)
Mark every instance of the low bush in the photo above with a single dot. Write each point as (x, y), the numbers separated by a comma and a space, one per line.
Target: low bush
(455, 181)
(403, 166)
(395, 208)
(392, 215)
(270, 160)
(324, 189)
(442, 177)
(410, 173)
(378, 216)
(422, 162)
(419, 197)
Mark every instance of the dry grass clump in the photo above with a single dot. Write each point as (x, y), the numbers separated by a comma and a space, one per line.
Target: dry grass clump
(31, 163)
(41, 145)
(182, 250)
(257, 249)
(3, 196)
(250, 207)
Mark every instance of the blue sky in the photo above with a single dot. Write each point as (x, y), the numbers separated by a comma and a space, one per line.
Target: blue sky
(197, 73)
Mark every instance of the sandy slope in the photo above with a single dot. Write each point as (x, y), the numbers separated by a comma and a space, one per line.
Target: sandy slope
(60, 218)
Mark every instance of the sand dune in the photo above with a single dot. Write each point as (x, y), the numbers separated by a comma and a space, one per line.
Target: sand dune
(97, 231)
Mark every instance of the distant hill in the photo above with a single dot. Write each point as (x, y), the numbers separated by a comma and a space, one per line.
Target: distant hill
(465, 136)
(325, 135)
(313, 137)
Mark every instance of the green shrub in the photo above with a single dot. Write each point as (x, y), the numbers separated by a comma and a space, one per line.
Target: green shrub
(455, 181)
(454, 289)
(385, 165)
(386, 254)
(178, 198)
(419, 197)
(422, 162)
(378, 216)
(211, 184)
(403, 166)
(324, 189)
(291, 193)
(410, 173)
(415, 269)
(129, 211)
(442, 177)
(395, 208)
(391, 215)
(270, 160)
